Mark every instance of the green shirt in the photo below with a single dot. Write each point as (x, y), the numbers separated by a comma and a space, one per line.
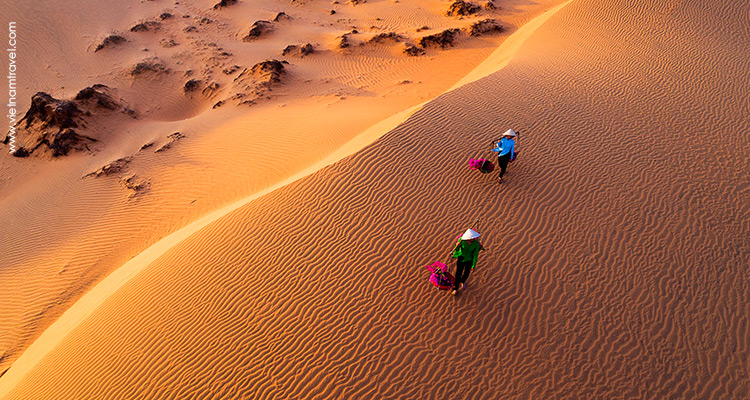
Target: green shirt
(466, 251)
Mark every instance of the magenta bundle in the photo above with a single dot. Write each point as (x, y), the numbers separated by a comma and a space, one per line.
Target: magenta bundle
(440, 277)
(481, 164)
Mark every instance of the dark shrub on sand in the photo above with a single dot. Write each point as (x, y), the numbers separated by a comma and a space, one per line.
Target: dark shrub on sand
(48, 111)
(344, 41)
(191, 85)
(483, 27)
(49, 122)
(97, 96)
(268, 71)
(294, 50)
(148, 65)
(224, 3)
(306, 49)
(21, 152)
(66, 140)
(385, 37)
(413, 51)
(110, 41)
(462, 8)
(443, 39)
(258, 29)
(282, 16)
(145, 26)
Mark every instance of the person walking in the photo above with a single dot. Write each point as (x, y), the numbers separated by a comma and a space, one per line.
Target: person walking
(466, 252)
(506, 151)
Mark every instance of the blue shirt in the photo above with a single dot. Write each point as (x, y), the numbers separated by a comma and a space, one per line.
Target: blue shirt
(504, 146)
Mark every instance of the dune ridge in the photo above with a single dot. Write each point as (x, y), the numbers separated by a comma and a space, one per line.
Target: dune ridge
(98, 294)
(225, 154)
(613, 270)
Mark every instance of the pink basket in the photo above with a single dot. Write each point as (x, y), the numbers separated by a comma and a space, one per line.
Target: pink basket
(482, 165)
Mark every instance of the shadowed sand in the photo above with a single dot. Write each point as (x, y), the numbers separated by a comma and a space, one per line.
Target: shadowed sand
(616, 264)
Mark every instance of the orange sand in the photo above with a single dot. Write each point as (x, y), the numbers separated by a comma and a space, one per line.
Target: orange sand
(617, 251)
(65, 233)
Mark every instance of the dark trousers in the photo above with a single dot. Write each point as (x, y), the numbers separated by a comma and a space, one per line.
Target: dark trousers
(502, 162)
(463, 269)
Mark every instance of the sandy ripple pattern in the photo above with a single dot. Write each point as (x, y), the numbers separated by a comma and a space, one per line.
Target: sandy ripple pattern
(617, 247)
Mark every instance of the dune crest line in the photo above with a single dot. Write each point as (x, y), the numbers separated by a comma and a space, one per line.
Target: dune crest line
(90, 301)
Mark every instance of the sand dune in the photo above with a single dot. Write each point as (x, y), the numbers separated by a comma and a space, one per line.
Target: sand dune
(86, 305)
(597, 287)
(617, 249)
(65, 229)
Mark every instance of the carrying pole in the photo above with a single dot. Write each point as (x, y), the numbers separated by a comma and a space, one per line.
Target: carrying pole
(518, 138)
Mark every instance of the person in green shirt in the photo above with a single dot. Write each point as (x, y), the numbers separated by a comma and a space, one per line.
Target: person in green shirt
(467, 253)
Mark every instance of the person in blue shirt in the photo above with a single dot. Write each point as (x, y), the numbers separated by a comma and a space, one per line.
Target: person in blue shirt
(506, 151)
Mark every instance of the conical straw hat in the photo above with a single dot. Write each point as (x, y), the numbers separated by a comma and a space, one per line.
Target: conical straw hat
(510, 133)
(470, 234)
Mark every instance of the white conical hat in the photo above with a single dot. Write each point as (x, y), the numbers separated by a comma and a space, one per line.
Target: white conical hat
(470, 234)
(510, 133)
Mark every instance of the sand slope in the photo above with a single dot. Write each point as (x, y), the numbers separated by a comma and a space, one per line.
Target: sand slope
(617, 264)
(62, 233)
